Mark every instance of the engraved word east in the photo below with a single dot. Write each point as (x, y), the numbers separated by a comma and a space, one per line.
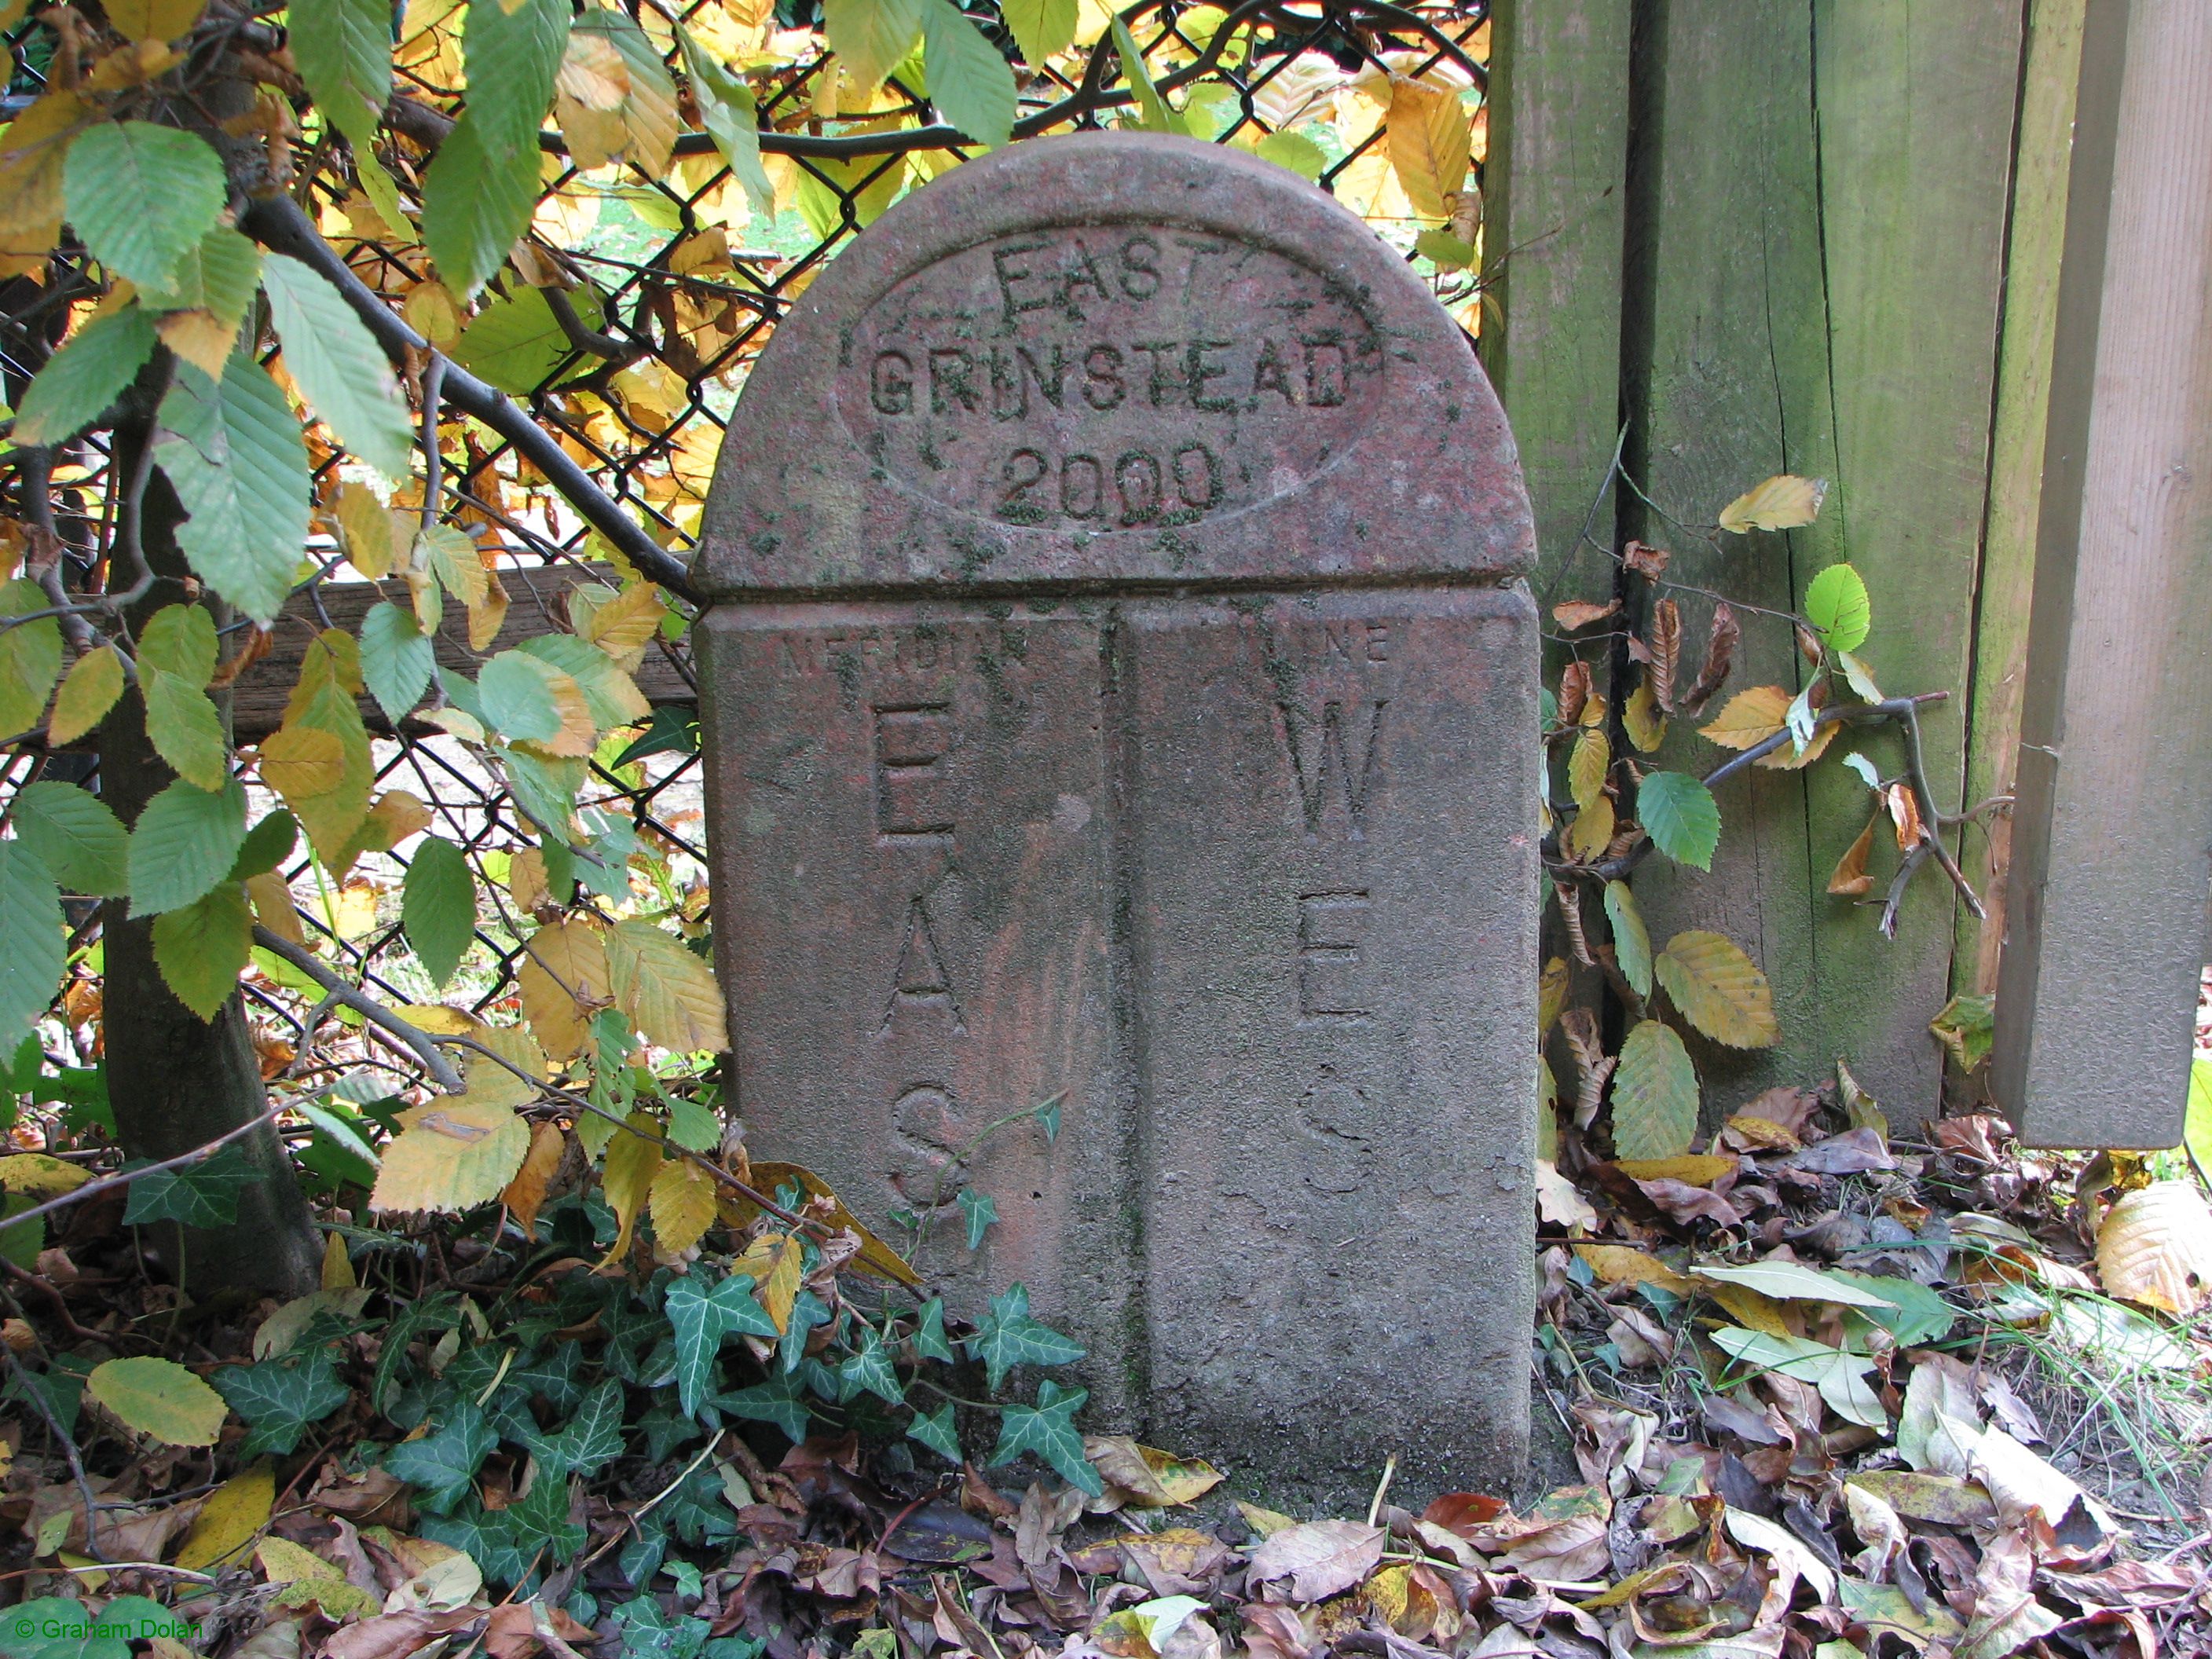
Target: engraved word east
(1109, 379)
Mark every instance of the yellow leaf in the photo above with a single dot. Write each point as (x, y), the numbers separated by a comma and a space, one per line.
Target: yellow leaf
(1788, 758)
(36, 1174)
(88, 690)
(668, 991)
(337, 1266)
(153, 20)
(623, 624)
(430, 310)
(272, 904)
(525, 1194)
(286, 1563)
(230, 1519)
(632, 1162)
(398, 814)
(1782, 503)
(683, 1205)
(1719, 988)
(1551, 995)
(2154, 1246)
(1430, 143)
(200, 337)
(562, 977)
(525, 880)
(158, 1398)
(486, 616)
(579, 735)
(30, 150)
(1748, 1307)
(1641, 718)
(494, 1084)
(1697, 1169)
(453, 1155)
(877, 1257)
(1152, 1478)
(439, 1020)
(778, 1289)
(366, 526)
(355, 912)
(1750, 718)
(1586, 766)
(1617, 1264)
(1591, 832)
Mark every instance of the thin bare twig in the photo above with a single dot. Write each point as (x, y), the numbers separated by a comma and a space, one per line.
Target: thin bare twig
(417, 1041)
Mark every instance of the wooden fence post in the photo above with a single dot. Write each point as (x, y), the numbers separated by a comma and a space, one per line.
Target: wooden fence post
(2107, 924)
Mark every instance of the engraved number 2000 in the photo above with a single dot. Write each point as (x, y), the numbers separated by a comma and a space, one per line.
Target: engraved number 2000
(1135, 488)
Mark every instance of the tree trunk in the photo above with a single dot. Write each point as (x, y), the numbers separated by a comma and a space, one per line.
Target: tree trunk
(175, 1080)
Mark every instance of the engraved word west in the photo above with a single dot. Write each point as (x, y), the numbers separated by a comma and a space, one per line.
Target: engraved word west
(1108, 381)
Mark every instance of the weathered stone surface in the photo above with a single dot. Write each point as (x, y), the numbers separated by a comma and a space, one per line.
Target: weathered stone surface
(1118, 688)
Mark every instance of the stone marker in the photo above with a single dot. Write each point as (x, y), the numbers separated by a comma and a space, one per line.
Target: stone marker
(1118, 688)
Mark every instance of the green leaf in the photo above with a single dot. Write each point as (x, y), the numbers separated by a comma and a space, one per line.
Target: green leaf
(1048, 1428)
(184, 844)
(1840, 1376)
(1916, 1315)
(1152, 112)
(779, 1400)
(85, 376)
(267, 845)
(141, 195)
(2197, 1135)
(872, 38)
(396, 659)
(1654, 1095)
(693, 1125)
(1042, 28)
(516, 344)
(343, 49)
(726, 108)
(481, 188)
(218, 275)
(1967, 1027)
(1719, 988)
(280, 1399)
(513, 53)
(980, 1211)
(700, 1319)
(516, 689)
(1793, 1281)
(32, 938)
(610, 695)
(202, 1194)
(935, 1430)
(440, 1465)
(438, 907)
(30, 657)
(868, 1369)
(1006, 1336)
(239, 466)
(1631, 942)
(1680, 816)
(180, 641)
(1837, 605)
(929, 1339)
(186, 728)
(969, 82)
(338, 366)
(202, 948)
(591, 1440)
(76, 837)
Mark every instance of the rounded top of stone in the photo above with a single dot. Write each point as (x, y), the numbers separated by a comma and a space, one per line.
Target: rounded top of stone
(1112, 360)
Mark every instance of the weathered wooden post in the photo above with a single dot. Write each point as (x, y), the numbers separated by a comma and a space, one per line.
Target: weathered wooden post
(1119, 686)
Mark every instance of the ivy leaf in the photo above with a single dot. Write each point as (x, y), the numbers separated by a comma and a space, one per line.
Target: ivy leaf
(239, 466)
(85, 376)
(77, 837)
(726, 109)
(338, 366)
(777, 1401)
(969, 82)
(183, 845)
(441, 1312)
(343, 49)
(1632, 941)
(1654, 1095)
(588, 1442)
(872, 38)
(868, 1368)
(1048, 1430)
(1837, 605)
(1680, 816)
(1719, 989)
(1042, 28)
(935, 1430)
(697, 1512)
(141, 196)
(160, 1398)
(202, 948)
(30, 657)
(32, 938)
(438, 907)
(700, 1319)
(202, 1194)
(1007, 1336)
(396, 659)
(980, 1211)
(929, 1339)
(279, 1398)
(442, 1464)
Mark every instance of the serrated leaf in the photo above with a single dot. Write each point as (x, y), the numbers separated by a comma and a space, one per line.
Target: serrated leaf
(936, 1431)
(75, 835)
(527, 700)
(141, 195)
(609, 694)
(33, 939)
(1749, 718)
(219, 276)
(31, 177)
(872, 37)
(267, 845)
(319, 760)
(239, 467)
(202, 948)
(1042, 28)
(2155, 1247)
(1837, 605)
(1680, 816)
(88, 692)
(482, 187)
(969, 82)
(1654, 1095)
(441, 1465)
(185, 728)
(1152, 112)
(670, 992)
(701, 1317)
(438, 907)
(1719, 989)
(183, 844)
(338, 367)
(692, 1125)
(280, 1399)
(1632, 941)
(396, 659)
(562, 977)
(453, 1155)
(154, 19)
(1007, 1336)
(1586, 766)
(647, 110)
(158, 1398)
(85, 376)
(30, 658)
(1792, 1281)
(1047, 1431)
(1782, 503)
(1429, 137)
(343, 49)
(727, 111)
(634, 1158)
(202, 1194)
(683, 1205)
(516, 343)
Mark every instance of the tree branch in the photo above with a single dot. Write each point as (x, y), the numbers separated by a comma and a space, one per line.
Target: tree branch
(417, 1041)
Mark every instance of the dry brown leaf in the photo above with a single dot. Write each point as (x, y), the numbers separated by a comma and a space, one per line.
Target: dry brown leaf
(1849, 878)
(1721, 643)
(1750, 718)
(2155, 1247)
(525, 1194)
(1904, 813)
(1663, 638)
(1320, 1558)
(1645, 560)
(1574, 691)
(1577, 614)
(1151, 1478)
(1782, 503)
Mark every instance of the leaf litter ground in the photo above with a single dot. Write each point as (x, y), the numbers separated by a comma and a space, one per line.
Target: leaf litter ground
(1813, 1392)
